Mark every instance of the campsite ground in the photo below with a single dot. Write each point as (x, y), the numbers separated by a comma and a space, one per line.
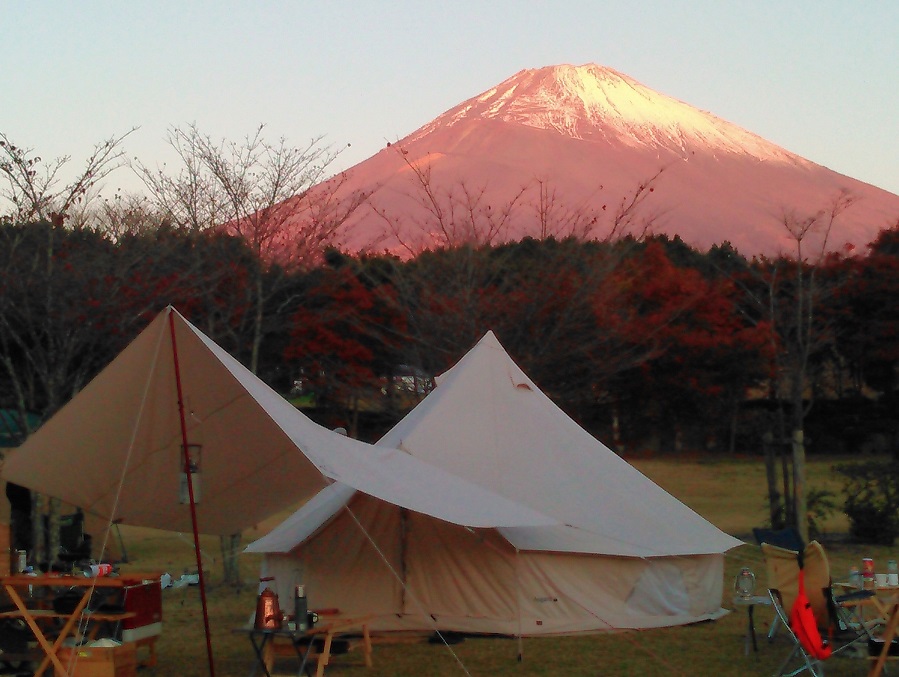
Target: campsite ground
(729, 493)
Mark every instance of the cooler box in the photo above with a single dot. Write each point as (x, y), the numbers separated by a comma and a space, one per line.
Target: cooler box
(89, 661)
(144, 598)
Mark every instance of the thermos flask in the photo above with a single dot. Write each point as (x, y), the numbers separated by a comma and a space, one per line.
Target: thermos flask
(301, 609)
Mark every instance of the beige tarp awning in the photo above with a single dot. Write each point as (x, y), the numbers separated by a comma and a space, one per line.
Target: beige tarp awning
(115, 449)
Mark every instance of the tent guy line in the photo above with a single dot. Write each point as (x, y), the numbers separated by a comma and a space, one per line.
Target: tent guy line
(636, 644)
(131, 444)
(399, 580)
(519, 638)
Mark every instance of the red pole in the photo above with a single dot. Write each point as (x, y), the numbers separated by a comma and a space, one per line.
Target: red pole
(190, 492)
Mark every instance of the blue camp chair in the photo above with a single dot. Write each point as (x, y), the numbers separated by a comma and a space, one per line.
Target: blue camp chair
(788, 539)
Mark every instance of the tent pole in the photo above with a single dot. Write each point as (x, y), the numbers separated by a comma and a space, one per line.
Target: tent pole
(190, 492)
(403, 572)
(518, 585)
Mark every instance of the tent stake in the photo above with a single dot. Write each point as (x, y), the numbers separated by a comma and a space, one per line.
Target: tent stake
(190, 491)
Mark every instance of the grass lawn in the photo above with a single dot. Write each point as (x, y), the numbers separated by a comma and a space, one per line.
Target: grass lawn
(728, 493)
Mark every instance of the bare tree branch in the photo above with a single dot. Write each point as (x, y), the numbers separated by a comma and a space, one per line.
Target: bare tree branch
(32, 185)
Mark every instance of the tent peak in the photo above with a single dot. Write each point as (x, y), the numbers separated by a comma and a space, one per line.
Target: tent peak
(490, 339)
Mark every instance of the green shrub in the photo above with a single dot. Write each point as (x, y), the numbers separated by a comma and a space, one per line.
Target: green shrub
(872, 500)
(820, 505)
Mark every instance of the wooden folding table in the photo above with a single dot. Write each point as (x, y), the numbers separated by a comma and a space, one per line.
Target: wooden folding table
(32, 597)
(889, 634)
(303, 642)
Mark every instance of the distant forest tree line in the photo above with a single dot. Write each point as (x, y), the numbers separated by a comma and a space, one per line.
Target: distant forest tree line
(649, 343)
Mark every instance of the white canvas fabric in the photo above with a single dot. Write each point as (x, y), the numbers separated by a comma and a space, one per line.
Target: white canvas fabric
(621, 553)
(416, 573)
(488, 422)
(115, 449)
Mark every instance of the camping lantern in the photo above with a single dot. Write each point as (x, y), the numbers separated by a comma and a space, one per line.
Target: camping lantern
(744, 584)
(190, 462)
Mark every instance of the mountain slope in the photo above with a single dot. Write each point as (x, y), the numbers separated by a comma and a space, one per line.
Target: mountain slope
(558, 150)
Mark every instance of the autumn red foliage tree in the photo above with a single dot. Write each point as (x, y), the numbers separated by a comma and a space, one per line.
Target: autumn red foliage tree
(868, 316)
(343, 336)
(700, 354)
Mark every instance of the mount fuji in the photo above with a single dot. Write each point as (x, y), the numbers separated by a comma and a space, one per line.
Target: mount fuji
(587, 151)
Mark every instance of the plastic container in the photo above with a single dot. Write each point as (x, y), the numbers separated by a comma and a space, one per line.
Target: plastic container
(868, 571)
(97, 570)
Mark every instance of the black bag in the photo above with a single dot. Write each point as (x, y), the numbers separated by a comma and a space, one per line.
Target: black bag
(66, 602)
(875, 646)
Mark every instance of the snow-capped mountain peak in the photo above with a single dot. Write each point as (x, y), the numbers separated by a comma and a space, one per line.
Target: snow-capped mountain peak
(596, 103)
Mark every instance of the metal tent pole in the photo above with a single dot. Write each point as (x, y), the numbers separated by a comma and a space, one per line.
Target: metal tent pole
(190, 491)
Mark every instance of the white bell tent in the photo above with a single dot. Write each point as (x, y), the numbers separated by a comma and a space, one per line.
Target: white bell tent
(618, 551)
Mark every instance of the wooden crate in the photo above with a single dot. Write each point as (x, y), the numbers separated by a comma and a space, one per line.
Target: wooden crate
(88, 661)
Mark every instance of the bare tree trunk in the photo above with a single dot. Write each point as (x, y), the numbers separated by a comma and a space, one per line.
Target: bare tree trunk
(616, 428)
(258, 316)
(354, 411)
(230, 546)
(771, 475)
(734, 422)
(788, 505)
(799, 493)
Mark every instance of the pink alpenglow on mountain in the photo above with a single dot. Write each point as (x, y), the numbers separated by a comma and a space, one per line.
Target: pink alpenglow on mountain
(587, 151)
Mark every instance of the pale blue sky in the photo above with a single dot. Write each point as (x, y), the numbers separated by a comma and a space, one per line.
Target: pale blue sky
(820, 78)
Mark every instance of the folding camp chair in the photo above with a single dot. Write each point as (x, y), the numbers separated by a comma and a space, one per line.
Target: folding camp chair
(809, 662)
(782, 569)
(840, 622)
(834, 615)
